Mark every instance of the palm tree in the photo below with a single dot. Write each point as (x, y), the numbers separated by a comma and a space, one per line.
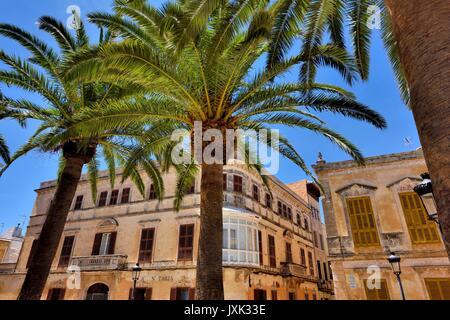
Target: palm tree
(64, 101)
(4, 151)
(415, 37)
(421, 32)
(199, 64)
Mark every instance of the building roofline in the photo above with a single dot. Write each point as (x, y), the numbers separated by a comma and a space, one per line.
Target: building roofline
(386, 158)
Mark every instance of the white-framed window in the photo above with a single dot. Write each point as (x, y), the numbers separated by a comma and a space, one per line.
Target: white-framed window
(240, 241)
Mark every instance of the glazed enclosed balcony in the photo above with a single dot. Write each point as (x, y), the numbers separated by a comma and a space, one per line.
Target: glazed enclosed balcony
(100, 262)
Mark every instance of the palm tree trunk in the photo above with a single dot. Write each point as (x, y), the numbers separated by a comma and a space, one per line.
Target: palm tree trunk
(209, 283)
(422, 32)
(52, 230)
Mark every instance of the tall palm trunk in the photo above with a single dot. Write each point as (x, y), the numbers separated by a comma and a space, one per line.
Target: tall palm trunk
(422, 31)
(209, 284)
(52, 230)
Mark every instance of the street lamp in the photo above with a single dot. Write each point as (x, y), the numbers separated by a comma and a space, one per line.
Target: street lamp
(394, 260)
(425, 192)
(135, 273)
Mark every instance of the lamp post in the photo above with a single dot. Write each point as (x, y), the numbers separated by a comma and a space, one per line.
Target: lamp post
(394, 260)
(425, 192)
(135, 273)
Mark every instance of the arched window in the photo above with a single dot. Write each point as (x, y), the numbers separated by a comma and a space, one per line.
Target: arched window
(98, 291)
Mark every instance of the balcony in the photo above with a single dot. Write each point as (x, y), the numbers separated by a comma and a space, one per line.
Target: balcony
(293, 269)
(7, 267)
(325, 285)
(106, 262)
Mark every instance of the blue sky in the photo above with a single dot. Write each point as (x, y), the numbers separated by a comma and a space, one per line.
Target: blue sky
(17, 185)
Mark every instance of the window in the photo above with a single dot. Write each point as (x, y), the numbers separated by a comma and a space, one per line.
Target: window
(310, 263)
(98, 291)
(224, 182)
(362, 222)
(255, 192)
(141, 294)
(114, 197)
(305, 224)
(182, 293)
(329, 271)
(288, 252)
(319, 269)
(237, 183)
(377, 294)
(125, 195)
(56, 294)
(306, 295)
(260, 294)
(298, 220)
(291, 295)
(146, 245)
(315, 239)
(152, 193)
(260, 249)
(268, 201)
(272, 256)
(421, 229)
(104, 243)
(240, 241)
(322, 247)
(279, 208)
(102, 199)
(274, 295)
(66, 251)
(191, 189)
(78, 202)
(284, 210)
(438, 289)
(289, 213)
(325, 271)
(185, 243)
(302, 257)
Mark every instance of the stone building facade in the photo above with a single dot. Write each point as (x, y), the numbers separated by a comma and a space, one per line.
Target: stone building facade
(268, 252)
(371, 211)
(10, 245)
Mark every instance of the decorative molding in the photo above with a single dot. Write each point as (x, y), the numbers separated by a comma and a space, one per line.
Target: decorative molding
(355, 189)
(108, 222)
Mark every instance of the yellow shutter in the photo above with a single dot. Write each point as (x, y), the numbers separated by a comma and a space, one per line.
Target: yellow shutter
(438, 289)
(362, 222)
(377, 294)
(421, 229)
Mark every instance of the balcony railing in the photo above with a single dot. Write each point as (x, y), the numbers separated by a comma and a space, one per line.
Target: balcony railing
(325, 285)
(105, 262)
(293, 269)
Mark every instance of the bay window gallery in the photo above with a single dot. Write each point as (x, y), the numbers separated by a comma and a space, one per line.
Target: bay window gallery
(240, 241)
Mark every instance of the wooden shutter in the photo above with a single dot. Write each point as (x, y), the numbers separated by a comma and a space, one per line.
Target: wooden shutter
(112, 242)
(272, 254)
(97, 244)
(146, 245)
(125, 195)
(173, 294)
(66, 251)
(186, 242)
(191, 293)
(421, 229)
(362, 222)
(130, 294)
(274, 295)
(56, 294)
(260, 249)
(438, 289)
(377, 294)
(114, 197)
